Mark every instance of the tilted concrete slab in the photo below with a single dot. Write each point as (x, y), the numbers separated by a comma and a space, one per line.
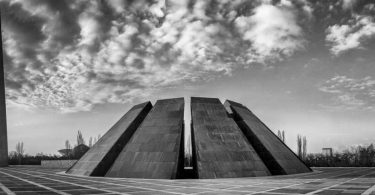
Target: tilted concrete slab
(98, 160)
(156, 147)
(276, 155)
(221, 150)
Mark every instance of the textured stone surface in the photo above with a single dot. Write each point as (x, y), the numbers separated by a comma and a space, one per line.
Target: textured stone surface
(101, 156)
(3, 124)
(155, 148)
(220, 147)
(277, 156)
(61, 164)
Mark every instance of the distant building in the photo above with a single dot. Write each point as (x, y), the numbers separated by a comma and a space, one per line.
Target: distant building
(66, 152)
(79, 151)
(327, 151)
(75, 153)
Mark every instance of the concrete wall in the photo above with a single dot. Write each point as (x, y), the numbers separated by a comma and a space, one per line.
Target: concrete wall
(63, 164)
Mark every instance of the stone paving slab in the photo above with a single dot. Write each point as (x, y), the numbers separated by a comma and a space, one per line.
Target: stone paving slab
(331, 181)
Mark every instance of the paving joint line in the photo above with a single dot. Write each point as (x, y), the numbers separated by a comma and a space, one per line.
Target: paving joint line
(6, 190)
(36, 184)
(115, 179)
(180, 187)
(332, 186)
(368, 191)
(89, 187)
(157, 184)
(328, 173)
(230, 188)
(346, 173)
(227, 183)
(82, 179)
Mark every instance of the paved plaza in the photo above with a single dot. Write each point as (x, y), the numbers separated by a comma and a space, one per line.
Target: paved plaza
(330, 181)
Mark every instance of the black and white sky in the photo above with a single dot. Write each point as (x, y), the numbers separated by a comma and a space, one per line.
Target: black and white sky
(303, 66)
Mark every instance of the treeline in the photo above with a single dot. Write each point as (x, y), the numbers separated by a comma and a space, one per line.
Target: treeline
(19, 157)
(360, 156)
(16, 159)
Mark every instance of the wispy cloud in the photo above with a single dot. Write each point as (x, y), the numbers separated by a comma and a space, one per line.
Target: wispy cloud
(350, 93)
(71, 55)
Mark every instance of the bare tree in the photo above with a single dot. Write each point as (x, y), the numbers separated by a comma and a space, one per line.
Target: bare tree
(19, 148)
(281, 135)
(299, 145)
(68, 148)
(20, 151)
(90, 142)
(304, 150)
(80, 139)
(67, 145)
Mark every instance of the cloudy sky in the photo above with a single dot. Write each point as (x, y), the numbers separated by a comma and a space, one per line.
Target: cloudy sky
(303, 66)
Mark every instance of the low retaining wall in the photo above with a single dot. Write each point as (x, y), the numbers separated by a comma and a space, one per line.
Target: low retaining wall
(64, 164)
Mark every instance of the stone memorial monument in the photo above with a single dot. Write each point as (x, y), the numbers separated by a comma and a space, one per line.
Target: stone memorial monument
(228, 141)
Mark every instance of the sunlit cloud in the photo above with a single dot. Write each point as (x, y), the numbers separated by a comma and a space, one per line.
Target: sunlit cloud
(353, 35)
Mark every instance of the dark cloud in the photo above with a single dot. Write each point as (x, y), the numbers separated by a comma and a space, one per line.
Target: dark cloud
(71, 55)
(66, 29)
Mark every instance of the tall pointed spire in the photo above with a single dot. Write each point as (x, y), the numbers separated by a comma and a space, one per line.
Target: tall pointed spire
(3, 118)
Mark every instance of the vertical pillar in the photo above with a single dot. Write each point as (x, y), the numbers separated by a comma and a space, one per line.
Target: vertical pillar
(3, 120)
